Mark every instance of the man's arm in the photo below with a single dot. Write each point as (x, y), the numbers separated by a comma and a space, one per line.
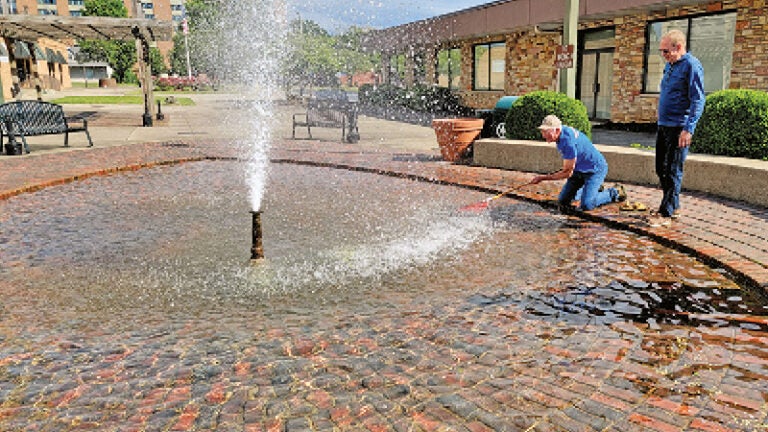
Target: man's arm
(565, 172)
(696, 108)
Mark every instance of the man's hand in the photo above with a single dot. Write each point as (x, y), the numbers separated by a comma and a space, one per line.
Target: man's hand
(685, 139)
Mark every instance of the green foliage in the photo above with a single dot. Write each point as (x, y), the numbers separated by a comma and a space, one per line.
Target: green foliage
(121, 55)
(105, 8)
(418, 98)
(315, 56)
(525, 115)
(734, 123)
(204, 20)
(156, 62)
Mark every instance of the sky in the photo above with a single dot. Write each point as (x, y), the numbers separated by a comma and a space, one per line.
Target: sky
(338, 15)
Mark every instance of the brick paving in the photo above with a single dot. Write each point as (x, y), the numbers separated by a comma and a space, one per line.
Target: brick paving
(621, 378)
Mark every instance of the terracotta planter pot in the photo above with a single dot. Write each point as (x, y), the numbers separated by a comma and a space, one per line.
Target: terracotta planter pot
(454, 136)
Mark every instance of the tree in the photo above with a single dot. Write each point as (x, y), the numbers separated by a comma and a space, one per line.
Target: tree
(315, 57)
(121, 55)
(105, 8)
(204, 22)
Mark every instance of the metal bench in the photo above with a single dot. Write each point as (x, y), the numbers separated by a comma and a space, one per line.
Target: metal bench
(330, 109)
(31, 117)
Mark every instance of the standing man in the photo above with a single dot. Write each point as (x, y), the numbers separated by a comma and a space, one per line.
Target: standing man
(583, 165)
(681, 103)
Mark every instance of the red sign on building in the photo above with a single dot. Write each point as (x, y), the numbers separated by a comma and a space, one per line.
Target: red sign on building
(564, 56)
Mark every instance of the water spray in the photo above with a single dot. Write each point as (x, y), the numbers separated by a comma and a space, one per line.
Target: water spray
(257, 251)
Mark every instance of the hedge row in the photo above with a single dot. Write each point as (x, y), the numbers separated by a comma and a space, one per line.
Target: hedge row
(417, 98)
(734, 123)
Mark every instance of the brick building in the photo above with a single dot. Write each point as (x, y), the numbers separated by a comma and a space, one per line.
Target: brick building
(508, 47)
(45, 61)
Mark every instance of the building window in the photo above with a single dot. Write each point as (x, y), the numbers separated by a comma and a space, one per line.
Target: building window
(12, 9)
(76, 2)
(449, 68)
(46, 2)
(489, 66)
(710, 39)
(75, 13)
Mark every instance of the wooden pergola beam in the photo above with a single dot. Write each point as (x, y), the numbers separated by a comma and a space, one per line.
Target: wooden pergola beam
(143, 31)
(31, 27)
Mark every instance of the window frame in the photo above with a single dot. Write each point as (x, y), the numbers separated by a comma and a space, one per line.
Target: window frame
(489, 46)
(453, 70)
(688, 24)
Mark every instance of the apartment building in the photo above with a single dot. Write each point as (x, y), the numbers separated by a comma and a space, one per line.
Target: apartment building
(509, 47)
(46, 62)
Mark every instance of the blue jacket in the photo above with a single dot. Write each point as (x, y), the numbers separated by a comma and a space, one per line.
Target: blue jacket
(682, 98)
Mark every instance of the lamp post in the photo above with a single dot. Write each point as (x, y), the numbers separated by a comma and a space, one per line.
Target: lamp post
(185, 30)
(570, 37)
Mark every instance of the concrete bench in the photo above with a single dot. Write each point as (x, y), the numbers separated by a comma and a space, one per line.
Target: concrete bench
(735, 178)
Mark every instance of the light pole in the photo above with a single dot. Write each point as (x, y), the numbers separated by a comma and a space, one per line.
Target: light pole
(185, 30)
(570, 37)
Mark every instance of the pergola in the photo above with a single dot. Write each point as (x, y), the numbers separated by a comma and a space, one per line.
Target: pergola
(30, 28)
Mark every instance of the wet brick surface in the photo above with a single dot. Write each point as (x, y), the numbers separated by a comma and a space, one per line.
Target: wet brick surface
(490, 370)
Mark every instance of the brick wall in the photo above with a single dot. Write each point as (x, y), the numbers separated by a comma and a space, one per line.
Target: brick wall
(530, 58)
(529, 61)
(750, 50)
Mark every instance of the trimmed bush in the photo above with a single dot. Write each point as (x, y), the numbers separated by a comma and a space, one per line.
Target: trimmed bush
(734, 123)
(525, 115)
(417, 98)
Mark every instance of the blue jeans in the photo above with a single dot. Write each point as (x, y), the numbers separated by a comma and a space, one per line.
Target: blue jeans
(669, 167)
(587, 186)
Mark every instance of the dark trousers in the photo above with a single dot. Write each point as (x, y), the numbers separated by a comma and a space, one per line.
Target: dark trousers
(669, 167)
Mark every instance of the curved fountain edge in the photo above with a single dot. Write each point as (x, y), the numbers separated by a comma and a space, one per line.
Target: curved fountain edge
(749, 272)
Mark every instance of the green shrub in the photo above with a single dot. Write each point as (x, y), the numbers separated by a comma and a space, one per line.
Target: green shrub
(734, 123)
(418, 98)
(525, 115)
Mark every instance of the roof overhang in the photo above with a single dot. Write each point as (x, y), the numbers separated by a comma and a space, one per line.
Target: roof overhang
(33, 27)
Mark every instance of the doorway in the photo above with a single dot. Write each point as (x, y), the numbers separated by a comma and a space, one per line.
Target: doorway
(596, 73)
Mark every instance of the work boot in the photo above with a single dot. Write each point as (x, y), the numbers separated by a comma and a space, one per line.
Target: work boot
(622, 194)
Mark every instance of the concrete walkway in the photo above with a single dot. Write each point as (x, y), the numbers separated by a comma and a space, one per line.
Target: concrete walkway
(719, 231)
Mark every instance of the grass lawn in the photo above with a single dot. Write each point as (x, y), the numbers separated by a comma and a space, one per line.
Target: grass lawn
(117, 100)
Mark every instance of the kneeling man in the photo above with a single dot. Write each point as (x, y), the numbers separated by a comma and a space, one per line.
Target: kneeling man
(583, 165)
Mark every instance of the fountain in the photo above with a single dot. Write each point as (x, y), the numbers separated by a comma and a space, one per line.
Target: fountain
(257, 249)
(130, 302)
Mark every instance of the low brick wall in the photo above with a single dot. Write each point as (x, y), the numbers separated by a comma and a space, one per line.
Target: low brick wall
(735, 178)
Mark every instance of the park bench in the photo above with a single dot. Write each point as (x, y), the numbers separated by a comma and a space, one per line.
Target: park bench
(31, 117)
(330, 109)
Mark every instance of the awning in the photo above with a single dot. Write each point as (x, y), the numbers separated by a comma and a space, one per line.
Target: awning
(21, 50)
(55, 56)
(39, 54)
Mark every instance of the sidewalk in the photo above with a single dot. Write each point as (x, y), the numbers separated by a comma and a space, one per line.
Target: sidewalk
(718, 231)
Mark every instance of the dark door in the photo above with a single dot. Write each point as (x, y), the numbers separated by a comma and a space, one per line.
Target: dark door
(596, 82)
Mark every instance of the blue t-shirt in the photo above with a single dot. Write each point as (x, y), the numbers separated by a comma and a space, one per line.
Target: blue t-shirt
(574, 144)
(682, 98)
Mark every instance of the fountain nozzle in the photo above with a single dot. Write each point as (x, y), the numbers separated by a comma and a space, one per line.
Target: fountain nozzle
(257, 251)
